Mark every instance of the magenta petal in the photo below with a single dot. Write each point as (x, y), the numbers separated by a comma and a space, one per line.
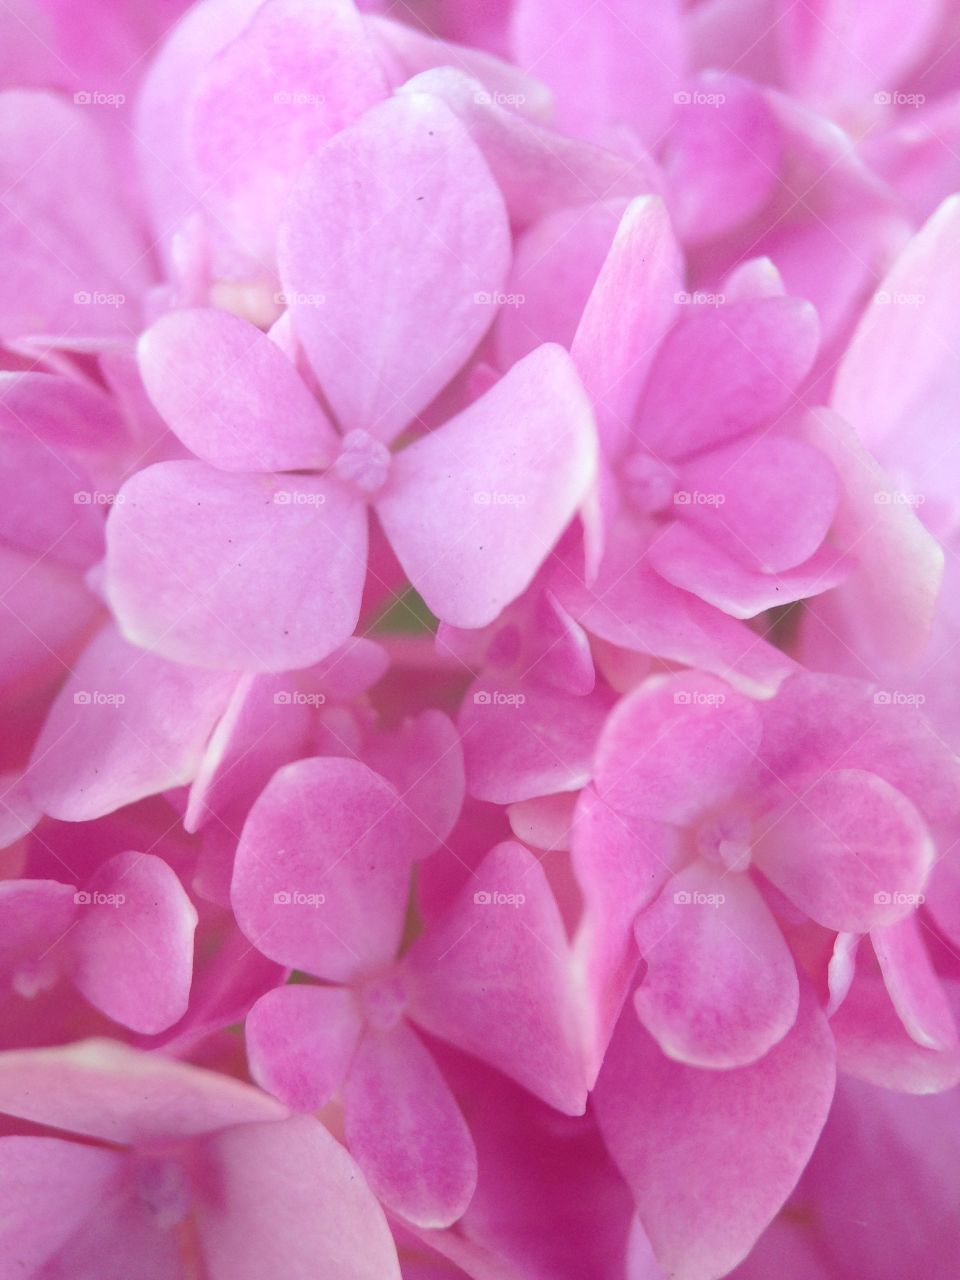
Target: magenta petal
(473, 509)
(323, 1219)
(49, 1188)
(913, 984)
(670, 730)
(850, 851)
(295, 75)
(672, 1130)
(300, 1041)
(721, 984)
(231, 395)
(406, 1131)
(126, 724)
(106, 1090)
(208, 567)
(133, 944)
(631, 307)
(464, 979)
(392, 289)
(322, 871)
(34, 916)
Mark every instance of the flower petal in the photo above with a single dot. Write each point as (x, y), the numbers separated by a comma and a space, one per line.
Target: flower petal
(473, 509)
(391, 290)
(300, 1041)
(231, 395)
(209, 568)
(404, 1128)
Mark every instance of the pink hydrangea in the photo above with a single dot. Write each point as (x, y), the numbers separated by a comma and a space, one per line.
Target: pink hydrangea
(478, 552)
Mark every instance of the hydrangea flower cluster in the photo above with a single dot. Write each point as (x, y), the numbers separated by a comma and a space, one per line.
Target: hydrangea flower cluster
(480, 592)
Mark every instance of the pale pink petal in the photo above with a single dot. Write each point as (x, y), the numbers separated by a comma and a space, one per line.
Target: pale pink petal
(49, 1189)
(631, 57)
(473, 509)
(231, 395)
(424, 761)
(528, 740)
(721, 984)
(727, 370)
(300, 1042)
(106, 1090)
(322, 871)
(126, 724)
(770, 500)
(79, 277)
(537, 169)
(689, 558)
(631, 307)
(873, 1045)
(261, 108)
(913, 984)
(391, 290)
(885, 612)
(404, 1128)
(669, 730)
(132, 948)
(722, 157)
(841, 969)
(621, 862)
(463, 973)
(555, 267)
(262, 728)
(850, 851)
(631, 606)
(296, 1177)
(668, 1128)
(545, 822)
(209, 568)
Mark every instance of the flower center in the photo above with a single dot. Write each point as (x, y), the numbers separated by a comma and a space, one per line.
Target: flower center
(725, 838)
(161, 1185)
(363, 461)
(650, 484)
(383, 999)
